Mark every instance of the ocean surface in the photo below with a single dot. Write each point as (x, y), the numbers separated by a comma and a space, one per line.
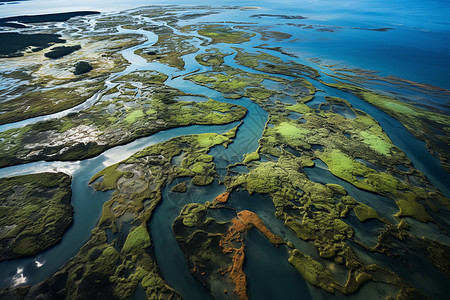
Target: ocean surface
(417, 48)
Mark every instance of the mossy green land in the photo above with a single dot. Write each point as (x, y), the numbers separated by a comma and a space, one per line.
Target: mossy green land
(212, 57)
(342, 138)
(138, 106)
(35, 212)
(274, 65)
(169, 50)
(220, 33)
(44, 85)
(119, 254)
(327, 224)
(423, 123)
(317, 212)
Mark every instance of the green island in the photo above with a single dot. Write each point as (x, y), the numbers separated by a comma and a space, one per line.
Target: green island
(35, 212)
(354, 211)
(220, 33)
(168, 49)
(424, 124)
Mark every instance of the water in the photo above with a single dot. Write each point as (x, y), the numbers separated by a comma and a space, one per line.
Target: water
(169, 256)
(417, 48)
(419, 41)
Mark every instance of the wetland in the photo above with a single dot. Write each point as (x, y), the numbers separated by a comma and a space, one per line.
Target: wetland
(169, 152)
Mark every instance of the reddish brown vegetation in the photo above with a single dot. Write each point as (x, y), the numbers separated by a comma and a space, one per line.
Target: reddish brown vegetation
(223, 198)
(244, 221)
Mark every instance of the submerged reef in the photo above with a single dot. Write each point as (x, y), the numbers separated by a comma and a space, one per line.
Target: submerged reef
(35, 212)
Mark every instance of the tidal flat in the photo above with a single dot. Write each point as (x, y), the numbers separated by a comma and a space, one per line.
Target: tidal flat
(338, 172)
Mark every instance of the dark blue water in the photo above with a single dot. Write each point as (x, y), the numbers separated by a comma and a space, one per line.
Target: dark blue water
(270, 275)
(169, 256)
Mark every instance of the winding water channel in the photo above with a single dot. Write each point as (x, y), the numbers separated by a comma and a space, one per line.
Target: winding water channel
(88, 203)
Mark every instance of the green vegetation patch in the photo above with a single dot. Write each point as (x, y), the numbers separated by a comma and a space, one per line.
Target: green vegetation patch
(224, 34)
(251, 157)
(313, 271)
(410, 208)
(209, 140)
(364, 212)
(192, 214)
(212, 57)
(345, 167)
(82, 67)
(60, 51)
(420, 122)
(35, 212)
(180, 188)
(291, 132)
(137, 239)
(131, 118)
(376, 142)
(14, 44)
